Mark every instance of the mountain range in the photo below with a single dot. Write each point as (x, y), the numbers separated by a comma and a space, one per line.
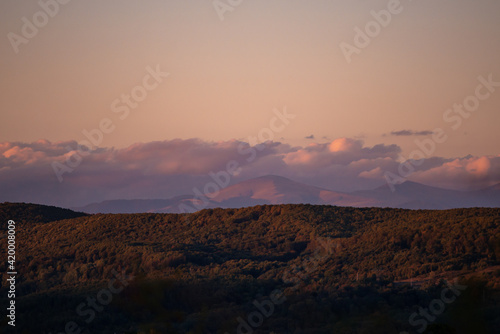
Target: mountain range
(272, 189)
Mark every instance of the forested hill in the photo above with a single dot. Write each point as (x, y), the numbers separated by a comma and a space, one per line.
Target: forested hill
(341, 269)
(34, 213)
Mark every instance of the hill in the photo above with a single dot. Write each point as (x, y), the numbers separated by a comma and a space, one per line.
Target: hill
(34, 213)
(338, 269)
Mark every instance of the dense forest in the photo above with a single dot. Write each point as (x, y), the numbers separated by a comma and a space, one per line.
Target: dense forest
(264, 269)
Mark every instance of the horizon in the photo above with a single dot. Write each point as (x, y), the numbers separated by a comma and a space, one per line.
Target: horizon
(278, 190)
(286, 179)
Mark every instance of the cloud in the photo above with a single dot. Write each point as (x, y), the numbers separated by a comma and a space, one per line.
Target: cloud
(164, 169)
(462, 173)
(411, 133)
(344, 145)
(310, 137)
(375, 173)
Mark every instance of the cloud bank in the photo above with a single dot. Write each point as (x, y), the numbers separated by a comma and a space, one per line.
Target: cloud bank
(173, 167)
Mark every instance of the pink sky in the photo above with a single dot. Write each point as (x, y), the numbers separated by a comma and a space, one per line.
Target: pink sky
(103, 65)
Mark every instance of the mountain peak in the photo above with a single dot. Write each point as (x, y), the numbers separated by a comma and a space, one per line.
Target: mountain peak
(274, 189)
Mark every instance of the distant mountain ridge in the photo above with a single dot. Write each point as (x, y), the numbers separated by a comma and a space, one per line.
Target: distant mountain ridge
(272, 189)
(412, 195)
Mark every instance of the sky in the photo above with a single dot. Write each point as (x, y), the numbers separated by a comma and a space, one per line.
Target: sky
(169, 86)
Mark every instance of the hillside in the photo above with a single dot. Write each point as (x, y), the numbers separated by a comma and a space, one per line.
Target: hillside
(34, 213)
(340, 269)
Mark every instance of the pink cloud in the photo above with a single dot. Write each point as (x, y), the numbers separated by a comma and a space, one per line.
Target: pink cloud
(173, 167)
(464, 173)
(375, 173)
(345, 144)
(479, 167)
